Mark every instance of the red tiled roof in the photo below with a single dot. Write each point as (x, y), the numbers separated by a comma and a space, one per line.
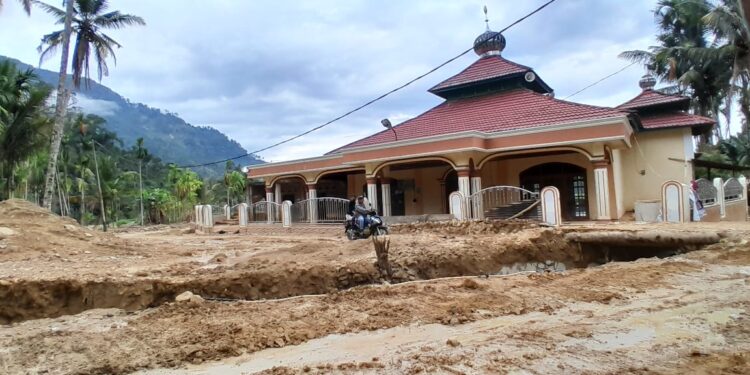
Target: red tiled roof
(499, 112)
(673, 120)
(648, 98)
(487, 67)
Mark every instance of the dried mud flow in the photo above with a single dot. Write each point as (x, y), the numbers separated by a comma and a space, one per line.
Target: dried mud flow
(417, 252)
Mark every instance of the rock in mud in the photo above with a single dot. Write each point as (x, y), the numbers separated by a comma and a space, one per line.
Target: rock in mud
(6, 232)
(189, 298)
(453, 343)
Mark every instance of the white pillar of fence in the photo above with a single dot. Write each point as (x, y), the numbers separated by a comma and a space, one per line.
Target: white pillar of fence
(372, 192)
(286, 214)
(312, 203)
(208, 217)
(477, 203)
(227, 212)
(675, 207)
(550, 201)
(385, 192)
(269, 204)
(198, 216)
(457, 204)
(743, 182)
(719, 185)
(242, 214)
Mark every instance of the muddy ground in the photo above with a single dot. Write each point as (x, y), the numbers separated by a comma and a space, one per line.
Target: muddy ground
(75, 301)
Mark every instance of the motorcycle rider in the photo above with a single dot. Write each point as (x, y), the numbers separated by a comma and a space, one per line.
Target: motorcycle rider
(361, 212)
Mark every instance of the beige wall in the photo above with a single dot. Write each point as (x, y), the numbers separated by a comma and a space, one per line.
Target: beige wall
(506, 172)
(427, 196)
(646, 166)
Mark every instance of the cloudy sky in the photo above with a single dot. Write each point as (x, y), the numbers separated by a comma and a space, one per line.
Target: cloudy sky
(261, 71)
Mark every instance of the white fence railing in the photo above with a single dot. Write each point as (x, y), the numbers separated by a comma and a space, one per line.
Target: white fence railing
(325, 210)
(500, 202)
(264, 212)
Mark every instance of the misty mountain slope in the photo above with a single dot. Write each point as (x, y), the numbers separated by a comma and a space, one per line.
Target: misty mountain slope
(165, 134)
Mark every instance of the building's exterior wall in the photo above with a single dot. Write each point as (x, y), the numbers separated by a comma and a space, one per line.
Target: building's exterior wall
(425, 195)
(507, 172)
(647, 165)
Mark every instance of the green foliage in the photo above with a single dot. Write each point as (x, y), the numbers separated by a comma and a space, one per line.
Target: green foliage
(23, 122)
(90, 17)
(167, 135)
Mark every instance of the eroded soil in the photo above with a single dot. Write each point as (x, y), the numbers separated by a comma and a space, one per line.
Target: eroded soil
(83, 302)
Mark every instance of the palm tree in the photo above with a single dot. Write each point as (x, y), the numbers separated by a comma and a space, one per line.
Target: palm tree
(732, 43)
(141, 153)
(61, 106)
(22, 118)
(89, 17)
(25, 3)
(674, 60)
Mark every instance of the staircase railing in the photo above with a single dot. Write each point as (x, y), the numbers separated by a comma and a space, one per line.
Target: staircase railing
(502, 202)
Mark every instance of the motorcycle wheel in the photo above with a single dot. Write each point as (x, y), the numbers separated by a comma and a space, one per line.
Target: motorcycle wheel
(351, 235)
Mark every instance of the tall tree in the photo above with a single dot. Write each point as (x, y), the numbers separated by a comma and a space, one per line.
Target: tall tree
(682, 31)
(61, 106)
(141, 153)
(85, 19)
(23, 122)
(732, 43)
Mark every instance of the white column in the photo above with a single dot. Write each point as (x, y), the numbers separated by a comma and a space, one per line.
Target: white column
(601, 180)
(286, 214)
(242, 214)
(278, 192)
(464, 186)
(312, 203)
(743, 182)
(269, 206)
(227, 212)
(385, 189)
(719, 185)
(477, 208)
(372, 192)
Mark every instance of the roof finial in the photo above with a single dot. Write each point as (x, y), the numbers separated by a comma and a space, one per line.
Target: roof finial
(486, 20)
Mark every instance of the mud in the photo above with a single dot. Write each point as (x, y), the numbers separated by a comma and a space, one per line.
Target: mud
(75, 301)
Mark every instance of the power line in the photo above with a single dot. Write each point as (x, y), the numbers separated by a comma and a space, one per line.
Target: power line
(600, 80)
(377, 98)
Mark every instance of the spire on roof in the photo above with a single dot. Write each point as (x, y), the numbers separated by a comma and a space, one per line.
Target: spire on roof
(489, 43)
(647, 82)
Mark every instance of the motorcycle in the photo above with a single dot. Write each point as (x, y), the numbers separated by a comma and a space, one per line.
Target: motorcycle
(376, 226)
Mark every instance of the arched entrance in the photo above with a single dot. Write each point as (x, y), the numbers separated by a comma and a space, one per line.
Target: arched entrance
(570, 179)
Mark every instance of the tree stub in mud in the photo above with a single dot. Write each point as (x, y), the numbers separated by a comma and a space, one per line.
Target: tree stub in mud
(382, 244)
(643, 238)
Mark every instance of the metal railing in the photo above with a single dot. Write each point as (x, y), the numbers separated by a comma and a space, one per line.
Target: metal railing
(733, 190)
(264, 212)
(501, 202)
(324, 210)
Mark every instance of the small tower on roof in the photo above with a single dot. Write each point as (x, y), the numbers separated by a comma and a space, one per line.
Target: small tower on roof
(489, 43)
(647, 82)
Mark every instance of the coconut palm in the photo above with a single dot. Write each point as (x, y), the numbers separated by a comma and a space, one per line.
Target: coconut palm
(85, 19)
(682, 32)
(22, 118)
(141, 153)
(90, 17)
(732, 43)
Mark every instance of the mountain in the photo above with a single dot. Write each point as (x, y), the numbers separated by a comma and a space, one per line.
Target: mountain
(165, 134)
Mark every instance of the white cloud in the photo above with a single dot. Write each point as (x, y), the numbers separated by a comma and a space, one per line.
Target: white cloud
(262, 71)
